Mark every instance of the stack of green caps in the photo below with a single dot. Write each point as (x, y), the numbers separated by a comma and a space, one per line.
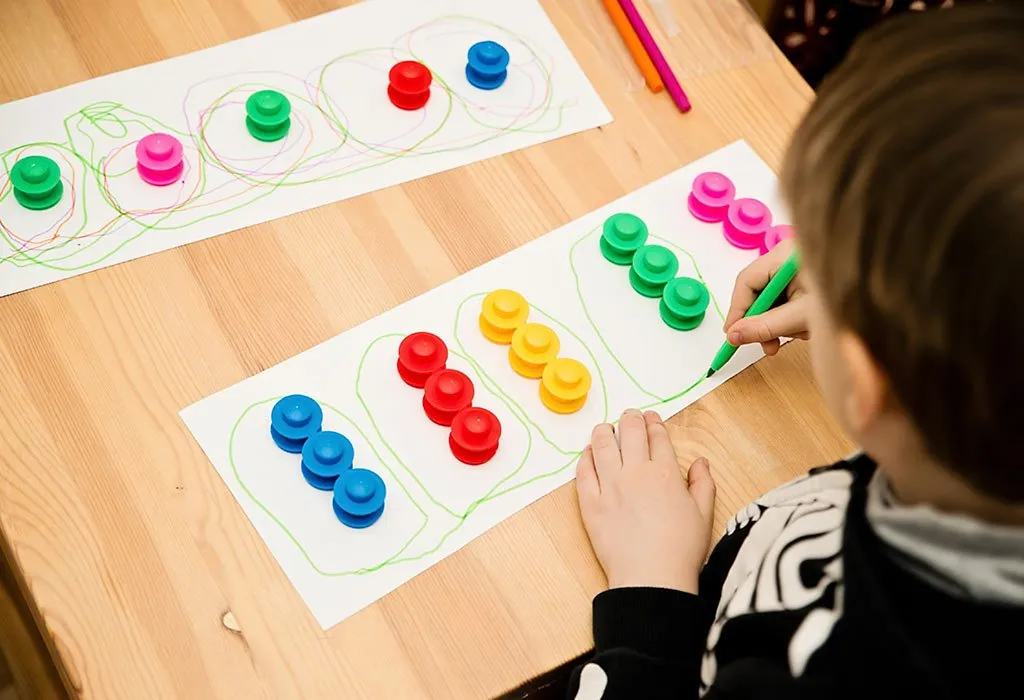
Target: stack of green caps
(623, 235)
(268, 115)
(683, 303)
(36, 182)
(653, 267)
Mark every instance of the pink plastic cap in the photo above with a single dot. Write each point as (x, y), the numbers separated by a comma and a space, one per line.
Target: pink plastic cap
(160, 159)
(746, 222)
(775, 234)
(710, 197)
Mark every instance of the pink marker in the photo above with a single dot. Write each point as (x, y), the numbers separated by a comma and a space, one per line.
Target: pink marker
(160, 160)
(657, 58)
(746, 222)
(710, 197)
(774, 235)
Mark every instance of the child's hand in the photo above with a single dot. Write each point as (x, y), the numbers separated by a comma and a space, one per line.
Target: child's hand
(788, 319)
(648, 526)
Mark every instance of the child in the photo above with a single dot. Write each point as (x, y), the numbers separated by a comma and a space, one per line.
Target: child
(898, 572)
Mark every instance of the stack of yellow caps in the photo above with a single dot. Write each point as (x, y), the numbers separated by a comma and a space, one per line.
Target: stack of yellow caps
(502, 312)
(534, 345)
(564, 385)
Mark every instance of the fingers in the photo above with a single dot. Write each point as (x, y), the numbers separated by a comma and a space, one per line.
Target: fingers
(702, 488)
(658, 439)
(607, 459)
(790, 320)
(633, 438)
(752, 279)
(588, 487)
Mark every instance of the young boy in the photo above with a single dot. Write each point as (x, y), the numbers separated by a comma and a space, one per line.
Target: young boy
(898, 572)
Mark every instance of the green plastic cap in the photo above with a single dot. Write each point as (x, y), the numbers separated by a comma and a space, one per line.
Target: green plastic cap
(653, 267)
(36, 182)
(268, 115)
(683, 303)
(623, 234)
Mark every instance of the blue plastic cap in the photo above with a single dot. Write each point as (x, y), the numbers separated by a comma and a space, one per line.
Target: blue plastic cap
(359, 496)
(293, 420)
(325, 456)
(488, 65)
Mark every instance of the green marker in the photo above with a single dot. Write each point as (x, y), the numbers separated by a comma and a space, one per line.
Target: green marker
(768, 296)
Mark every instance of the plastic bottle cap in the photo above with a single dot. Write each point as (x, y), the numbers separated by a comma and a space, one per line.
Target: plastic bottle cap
(653, 266)
(268, 115)
(36, 182)
(447, 392)
(325, 456)
(159, 159)
(329, 447)
(420, 354)
(622, 235)
(475, 435)
(745, 223)
(684, 303)
(410, 76)
(409, 84)
(359, 496)
(533, 346)
(490, 53)
(501, 312)
(293, 420)
(564, 385)
(710, 196)
(487, 65)
(270, 104)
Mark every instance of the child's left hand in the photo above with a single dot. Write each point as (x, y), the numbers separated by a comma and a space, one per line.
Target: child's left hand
(649, 525)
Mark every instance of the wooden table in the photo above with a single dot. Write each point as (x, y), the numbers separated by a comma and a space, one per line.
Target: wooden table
(147, 577)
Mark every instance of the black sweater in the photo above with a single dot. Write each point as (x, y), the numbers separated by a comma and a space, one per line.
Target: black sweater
(801, 599)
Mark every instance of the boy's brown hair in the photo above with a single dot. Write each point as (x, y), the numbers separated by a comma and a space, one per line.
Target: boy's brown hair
(906, 181)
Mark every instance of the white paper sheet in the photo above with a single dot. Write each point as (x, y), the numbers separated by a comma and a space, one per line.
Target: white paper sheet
(346, 137)
(436, 504)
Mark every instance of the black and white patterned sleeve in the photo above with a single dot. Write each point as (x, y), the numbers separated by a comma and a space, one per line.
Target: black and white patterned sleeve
(648, 643)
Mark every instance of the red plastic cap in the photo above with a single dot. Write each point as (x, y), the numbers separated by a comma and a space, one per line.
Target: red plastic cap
(447, 392)
(419, 356)
(475, 435)
(409, 84)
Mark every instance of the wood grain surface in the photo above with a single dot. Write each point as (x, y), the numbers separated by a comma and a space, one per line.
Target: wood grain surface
(147, 577)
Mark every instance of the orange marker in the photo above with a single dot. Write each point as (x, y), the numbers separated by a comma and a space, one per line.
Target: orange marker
(629, 36)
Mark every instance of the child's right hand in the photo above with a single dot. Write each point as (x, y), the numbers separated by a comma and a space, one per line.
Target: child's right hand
(788, 319)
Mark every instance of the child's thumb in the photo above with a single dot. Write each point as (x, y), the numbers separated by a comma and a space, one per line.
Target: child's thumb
(702, 488)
